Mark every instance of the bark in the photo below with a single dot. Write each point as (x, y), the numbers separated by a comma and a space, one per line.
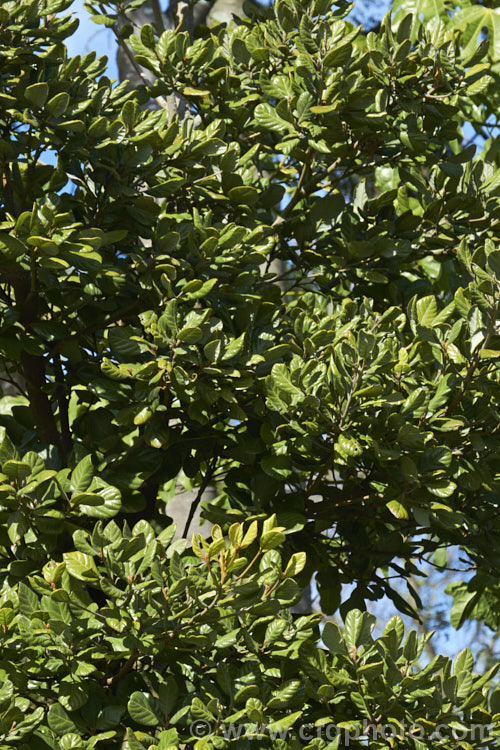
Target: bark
(32, 371)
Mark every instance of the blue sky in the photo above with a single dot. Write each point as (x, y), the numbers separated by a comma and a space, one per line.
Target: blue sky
(91, 36)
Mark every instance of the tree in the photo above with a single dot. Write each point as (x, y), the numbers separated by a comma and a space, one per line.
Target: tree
(345, 409)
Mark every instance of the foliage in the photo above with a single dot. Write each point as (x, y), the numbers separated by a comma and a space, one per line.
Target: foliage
(202, 635)
(347, 402)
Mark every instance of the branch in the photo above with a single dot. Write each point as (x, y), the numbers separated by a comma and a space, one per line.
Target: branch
(158, 16)
(123, 45)
(194, 505)
(296, 196)
(33, 365)
(62, 400)
(314, 183)
(125, 669)
(9, 379)
(321, 473)
(34, 372)
(8, 194)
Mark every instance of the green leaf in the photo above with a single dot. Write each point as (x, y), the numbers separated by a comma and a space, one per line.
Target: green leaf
(59, 720)
(215, 547)
(442, 488)
(58, 105)
(37, 93)
(115, 372)
(347, 446)
(132, 743)
(267, 117)
(414, 401)
(71, 740)
(397, 624)
(144, 709)
(472, 21)
(190, 334)
(280, 377)
(353, 627)
(147, 36)
(244, 195)
(87, 498)
(235, 534)
(16, 470)
(426, 311)
(6, 617)
(397, 509)
(338, 56)
(411, 646)
(73, 696)
(190, 91)
(332, 638)
(285, 723)
(250, 535)
(464, 601)
(441, 557)
(197, 289)
(111, 500)
(271, 540)
(7, 450)
(28, 601)
(168, 740)
(10, 247)
(318, 109)
(80, 566)
(464, 661)
(82, 475)
(295, 565)
(143, 416)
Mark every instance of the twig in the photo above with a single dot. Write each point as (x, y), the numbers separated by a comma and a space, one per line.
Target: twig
(124, 670)
(296, 196)
(321, 473)
(121, 43)
(197, 500)
(254, 559)
(10, 379)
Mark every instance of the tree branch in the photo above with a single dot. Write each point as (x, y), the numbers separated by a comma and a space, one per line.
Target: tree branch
(124, 47)
(296, 196)
(158, 16)
(33, 365)
(125, 669)
(66, 441)
(194, 505)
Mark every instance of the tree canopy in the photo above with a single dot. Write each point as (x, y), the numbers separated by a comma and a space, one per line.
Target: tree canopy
(344, 406)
